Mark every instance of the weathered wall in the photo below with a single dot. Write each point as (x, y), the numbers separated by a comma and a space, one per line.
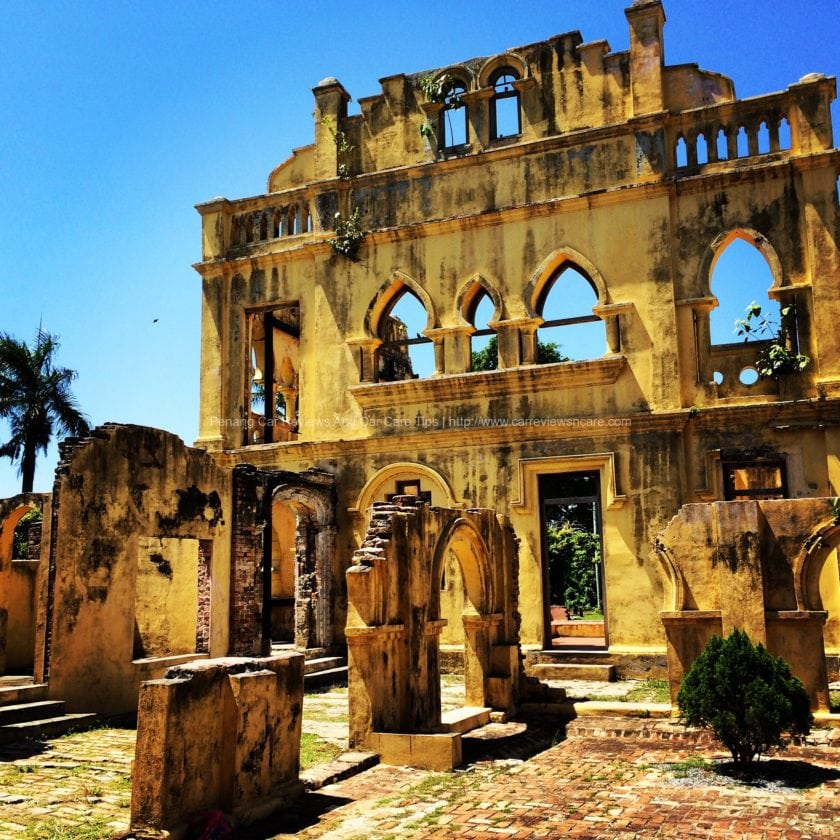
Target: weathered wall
(218, 734)
(112, 603)
(753, 566)
(593, 181)
(395, 616)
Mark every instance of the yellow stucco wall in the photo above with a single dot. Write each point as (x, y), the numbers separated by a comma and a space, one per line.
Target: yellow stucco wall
(593, 181)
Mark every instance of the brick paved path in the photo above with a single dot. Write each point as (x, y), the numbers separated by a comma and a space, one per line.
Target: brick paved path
(650, 782)
(610, 778)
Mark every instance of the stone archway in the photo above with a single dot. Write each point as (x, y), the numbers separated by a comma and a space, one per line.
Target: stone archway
(310, 544)
(394, 622)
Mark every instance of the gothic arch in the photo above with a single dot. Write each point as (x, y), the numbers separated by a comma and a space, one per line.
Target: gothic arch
(548, 268)
(388, 294)
(719, 244)
(469, 294)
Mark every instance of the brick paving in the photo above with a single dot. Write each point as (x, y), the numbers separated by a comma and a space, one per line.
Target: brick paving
(609, 778)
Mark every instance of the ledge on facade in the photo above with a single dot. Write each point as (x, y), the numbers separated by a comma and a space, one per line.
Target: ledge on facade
(527, 379)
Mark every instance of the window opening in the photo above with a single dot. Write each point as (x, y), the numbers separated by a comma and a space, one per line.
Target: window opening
(484, 347)
(784, 134)
(743, 143)
(454, 116)
(754, 479)
(505, 114)
(681, 153)
(722, 145)
(273, 382)
(763, 138)
(405, 353)
(741, 276)
(569, 330)
(702, 149)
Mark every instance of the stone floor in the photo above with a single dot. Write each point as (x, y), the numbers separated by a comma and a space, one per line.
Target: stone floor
(603, 777)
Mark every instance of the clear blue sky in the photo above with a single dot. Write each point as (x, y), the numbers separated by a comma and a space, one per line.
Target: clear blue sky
(119, 116)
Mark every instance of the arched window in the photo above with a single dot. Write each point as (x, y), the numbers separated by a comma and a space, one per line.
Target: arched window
(484, 349)
(453, 117)
(569, 330)
(405, 353)
(722, 145)
(681, 153)
(505, 117)
(741, 276)
(702, 148)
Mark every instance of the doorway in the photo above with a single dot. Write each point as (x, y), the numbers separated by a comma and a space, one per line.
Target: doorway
(573, 568)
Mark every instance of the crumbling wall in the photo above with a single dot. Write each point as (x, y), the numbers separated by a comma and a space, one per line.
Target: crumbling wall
(754, 566)
(394, 619)
(132, 506)
(219, 734)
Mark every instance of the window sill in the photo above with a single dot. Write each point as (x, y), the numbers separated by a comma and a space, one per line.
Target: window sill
(526, 379)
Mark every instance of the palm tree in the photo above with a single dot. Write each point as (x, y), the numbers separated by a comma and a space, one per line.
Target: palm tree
(36, 401)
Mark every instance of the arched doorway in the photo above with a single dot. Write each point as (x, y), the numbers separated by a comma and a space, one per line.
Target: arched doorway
(20, 552)
(463, 605)
(301, 522)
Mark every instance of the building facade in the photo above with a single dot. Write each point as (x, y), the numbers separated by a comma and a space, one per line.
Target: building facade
(501, 183)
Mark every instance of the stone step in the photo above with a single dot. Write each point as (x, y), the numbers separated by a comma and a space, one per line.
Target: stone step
(574, 671)
(324, 663)
(22, 712)
(578, 629)
(465, 719)
(40, 730)
(324, 679)
(29, 693)
(346, 765)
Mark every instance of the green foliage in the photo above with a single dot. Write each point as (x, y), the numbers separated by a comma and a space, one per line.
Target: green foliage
(427, 130)
(348, 234)
(776, 359)
(573, 557)
(35, 400)
(21, 535)
(747, 697)
(434, 89)
(488, 357)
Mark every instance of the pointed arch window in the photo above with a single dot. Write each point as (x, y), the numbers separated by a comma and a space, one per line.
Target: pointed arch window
(453, 118)
(741, 275)
(505, 114)
(484, 348)
(405, 353)
(569, 330)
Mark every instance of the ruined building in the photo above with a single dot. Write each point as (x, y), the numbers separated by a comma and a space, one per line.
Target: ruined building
(504, 185)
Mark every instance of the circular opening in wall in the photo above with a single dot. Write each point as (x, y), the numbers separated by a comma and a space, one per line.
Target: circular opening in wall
(718, 377)
(748, 376)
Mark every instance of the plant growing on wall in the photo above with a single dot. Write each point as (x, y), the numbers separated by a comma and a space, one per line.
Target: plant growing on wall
(747, 697)
(776, 358)
(348, 234)
(342, 145)
(434, 88)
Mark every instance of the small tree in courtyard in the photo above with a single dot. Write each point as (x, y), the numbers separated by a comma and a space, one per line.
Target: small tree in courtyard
(747, 697)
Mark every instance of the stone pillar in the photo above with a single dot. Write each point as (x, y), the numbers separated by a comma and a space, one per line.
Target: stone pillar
(647, 55)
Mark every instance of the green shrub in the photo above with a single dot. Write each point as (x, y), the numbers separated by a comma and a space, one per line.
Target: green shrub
(747, 697)
(573, 557)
